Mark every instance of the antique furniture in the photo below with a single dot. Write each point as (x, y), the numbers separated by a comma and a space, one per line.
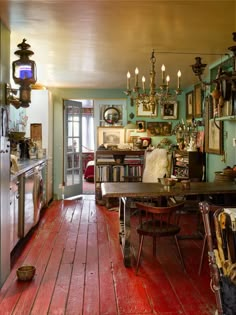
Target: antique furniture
(189, 165)
(127, 192)
(156, 222)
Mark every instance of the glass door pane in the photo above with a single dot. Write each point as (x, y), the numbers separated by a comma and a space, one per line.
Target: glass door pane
(72, 149)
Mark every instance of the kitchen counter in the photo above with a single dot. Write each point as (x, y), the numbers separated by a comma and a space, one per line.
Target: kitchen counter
(25, 165)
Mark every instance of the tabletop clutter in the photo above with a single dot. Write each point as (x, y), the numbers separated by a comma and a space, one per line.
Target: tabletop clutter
(227, 175)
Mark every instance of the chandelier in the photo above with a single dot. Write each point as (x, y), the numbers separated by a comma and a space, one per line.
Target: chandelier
(151, 99)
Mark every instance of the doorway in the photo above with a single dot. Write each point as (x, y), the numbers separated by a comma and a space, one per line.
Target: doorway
(85, 184)
(88, 145)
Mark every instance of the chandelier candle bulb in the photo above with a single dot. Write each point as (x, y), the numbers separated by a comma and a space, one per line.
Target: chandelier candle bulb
(163, 68)
(167, 80)
(136, 76)
(128, 80)
(179, 76)
(143, 82)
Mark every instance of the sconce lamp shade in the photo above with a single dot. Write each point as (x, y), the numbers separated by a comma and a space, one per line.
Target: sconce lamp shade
(24, 72)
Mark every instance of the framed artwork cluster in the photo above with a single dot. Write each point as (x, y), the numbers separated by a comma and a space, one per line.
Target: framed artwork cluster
(194, 103)
(169, 110)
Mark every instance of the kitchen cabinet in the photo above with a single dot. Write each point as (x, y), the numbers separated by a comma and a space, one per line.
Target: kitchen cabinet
(41, 112)
(188, 165)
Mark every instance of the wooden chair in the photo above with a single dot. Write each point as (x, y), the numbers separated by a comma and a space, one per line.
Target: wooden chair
(207, 211)
(158, 222)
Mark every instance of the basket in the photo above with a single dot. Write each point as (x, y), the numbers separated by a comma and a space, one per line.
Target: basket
(230, 172)
(25, 273)
(221, 177)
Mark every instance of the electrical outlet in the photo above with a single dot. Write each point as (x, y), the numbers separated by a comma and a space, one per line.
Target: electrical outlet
(234, 142)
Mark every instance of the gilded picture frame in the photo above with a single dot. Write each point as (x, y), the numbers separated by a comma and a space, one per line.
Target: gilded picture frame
(159, 128)
(213, 132)
(143, 110)
(169, 110)
(197, 101)
(189, 105)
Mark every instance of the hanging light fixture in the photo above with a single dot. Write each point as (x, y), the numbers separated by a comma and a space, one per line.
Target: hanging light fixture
(155, 96)
(24, 74)
(225, 81)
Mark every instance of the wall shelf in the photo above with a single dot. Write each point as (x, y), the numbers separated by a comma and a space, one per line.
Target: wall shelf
(225, 118)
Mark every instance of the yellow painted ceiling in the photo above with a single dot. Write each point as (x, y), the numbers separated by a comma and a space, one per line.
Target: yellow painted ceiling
(93, 43)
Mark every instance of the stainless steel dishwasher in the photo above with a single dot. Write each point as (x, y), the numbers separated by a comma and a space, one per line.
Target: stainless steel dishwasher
(31, 203)
(26, 214)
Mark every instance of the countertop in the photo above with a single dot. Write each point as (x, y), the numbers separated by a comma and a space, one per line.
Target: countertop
(25, 165)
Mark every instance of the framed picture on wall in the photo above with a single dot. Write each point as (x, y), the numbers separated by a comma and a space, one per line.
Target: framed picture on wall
(189, 105)
(110, 135)
(197, 101)
(159, 128)
(169, 110)
(141, 125)
(213, 132)
(145, 109)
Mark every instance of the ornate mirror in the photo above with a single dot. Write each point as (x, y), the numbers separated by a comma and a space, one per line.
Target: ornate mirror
(111, 115)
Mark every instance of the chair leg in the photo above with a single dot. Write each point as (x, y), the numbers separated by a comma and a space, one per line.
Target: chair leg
(180, 254)
(202, 255)
(139, 253)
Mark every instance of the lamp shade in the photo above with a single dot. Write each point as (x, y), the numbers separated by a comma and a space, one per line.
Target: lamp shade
(24, 69)
(24, 72)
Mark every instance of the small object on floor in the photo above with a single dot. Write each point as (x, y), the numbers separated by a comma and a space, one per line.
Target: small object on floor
(25, 273)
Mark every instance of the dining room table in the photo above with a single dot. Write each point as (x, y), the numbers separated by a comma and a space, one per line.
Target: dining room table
(129, 192)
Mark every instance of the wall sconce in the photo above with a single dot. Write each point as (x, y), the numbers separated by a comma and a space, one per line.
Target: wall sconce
(224, 79)
(24, 74)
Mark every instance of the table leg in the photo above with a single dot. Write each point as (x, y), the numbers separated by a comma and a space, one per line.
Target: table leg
(124, 234)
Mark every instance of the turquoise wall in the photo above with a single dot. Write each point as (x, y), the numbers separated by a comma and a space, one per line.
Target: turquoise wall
(214, 162)
(59, 94)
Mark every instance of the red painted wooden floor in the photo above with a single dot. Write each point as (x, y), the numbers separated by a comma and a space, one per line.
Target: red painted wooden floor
(76, 252)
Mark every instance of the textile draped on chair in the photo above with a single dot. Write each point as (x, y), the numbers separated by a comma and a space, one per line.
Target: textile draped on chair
(157, 165)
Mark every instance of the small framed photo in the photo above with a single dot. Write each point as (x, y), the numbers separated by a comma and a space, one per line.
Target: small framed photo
(189, 105)
(145, 109)
(197, 101)
(140, 126)
(159, 128)
(169, 110)
(110, 135)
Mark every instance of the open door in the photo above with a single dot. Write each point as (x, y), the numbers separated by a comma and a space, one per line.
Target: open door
(73, 173)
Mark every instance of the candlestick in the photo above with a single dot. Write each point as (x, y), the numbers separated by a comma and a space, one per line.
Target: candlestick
(143, 82)
(179, 76)
(167, 79)
(128, 80)
(163, 68)
(136, 77)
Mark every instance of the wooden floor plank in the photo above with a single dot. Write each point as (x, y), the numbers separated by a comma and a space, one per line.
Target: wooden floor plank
(80, 270)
